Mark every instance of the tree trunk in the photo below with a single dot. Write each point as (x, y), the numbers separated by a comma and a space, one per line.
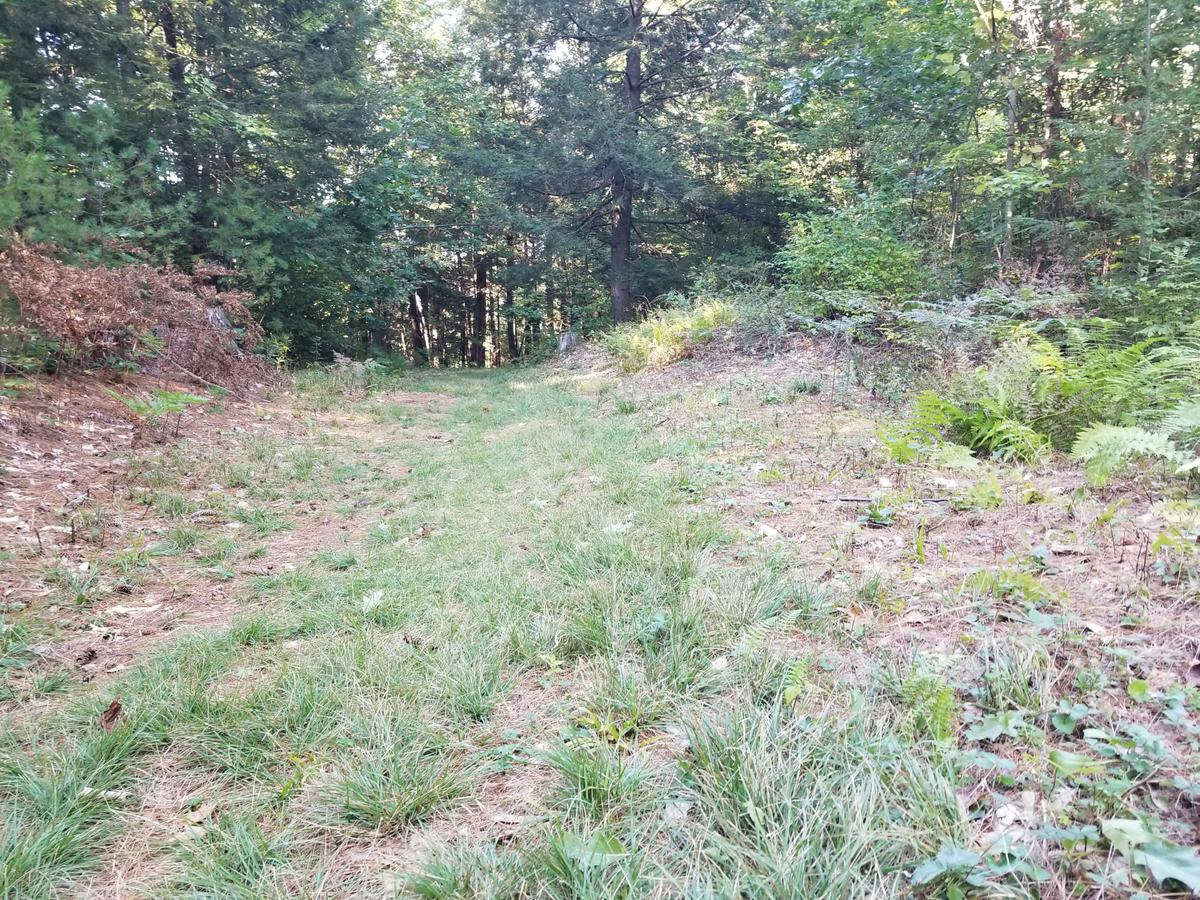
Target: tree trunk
(511, 323)
(420, 332)
(623, 182)
(189, 170)
(125, 24)
(479, 329)
(1010, 162)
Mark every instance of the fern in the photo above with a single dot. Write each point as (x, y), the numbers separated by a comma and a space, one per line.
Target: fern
(757, 634)
(1104, 449)
(985, 427)
(1183, 422)
(797, 680)
(930, 702)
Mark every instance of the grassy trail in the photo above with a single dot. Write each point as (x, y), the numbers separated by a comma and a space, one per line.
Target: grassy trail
(544, 671)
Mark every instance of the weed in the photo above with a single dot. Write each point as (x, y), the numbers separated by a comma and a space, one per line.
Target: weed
(879, 514)
(235, 859)
(172, 506)
(397, 789)
(1017, 674)
(183, 539)
(1010, 584)
(984, 494)
(596, 777)
(261, 522)
(816, 809)
(802, 386)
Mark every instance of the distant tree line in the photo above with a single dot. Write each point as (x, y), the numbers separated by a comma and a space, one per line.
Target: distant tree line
(456, 184)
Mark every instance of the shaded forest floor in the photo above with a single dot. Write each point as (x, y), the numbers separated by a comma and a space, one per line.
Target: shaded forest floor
(567, 632)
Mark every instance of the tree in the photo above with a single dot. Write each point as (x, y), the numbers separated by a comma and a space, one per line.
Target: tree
(616, 89)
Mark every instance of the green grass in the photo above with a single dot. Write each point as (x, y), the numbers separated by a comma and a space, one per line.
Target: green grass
(546, 629)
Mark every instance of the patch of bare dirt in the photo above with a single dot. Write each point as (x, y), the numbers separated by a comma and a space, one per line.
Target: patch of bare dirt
(78, 538)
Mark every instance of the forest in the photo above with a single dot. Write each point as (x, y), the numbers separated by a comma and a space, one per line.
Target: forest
(599, 449)
(454, 182)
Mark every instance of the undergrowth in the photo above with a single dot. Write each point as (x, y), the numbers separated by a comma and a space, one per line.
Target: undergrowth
(668, 335)
(1105, 400)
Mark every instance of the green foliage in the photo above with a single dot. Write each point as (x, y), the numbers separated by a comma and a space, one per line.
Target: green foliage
(930, 701)
(669, 335)
(1104, 449)
(596, 776)
(154, 411)
(1010, 584)
(852, 251)
(987, 425)
(1107, 400)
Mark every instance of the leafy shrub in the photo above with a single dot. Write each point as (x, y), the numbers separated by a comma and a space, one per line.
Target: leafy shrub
(851, 250)
(1107, 400)
(669, 335)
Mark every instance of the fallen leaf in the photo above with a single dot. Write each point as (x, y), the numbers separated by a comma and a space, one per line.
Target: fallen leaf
(108, 718)
(372, 601)
(202, 813)
(116, 796)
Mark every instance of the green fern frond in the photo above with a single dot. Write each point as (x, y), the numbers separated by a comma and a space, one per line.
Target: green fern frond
(756, 634)
(1183, 422)
(1103, 449)
(931, 704)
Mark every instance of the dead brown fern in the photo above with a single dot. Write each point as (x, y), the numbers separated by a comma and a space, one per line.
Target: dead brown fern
(160, 319)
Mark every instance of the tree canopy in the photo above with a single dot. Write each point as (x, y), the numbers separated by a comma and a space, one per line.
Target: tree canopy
(457, 181)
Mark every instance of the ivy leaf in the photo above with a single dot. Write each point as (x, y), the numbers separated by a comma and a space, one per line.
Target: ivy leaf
(1142, 847)
(1126, 834)
(1170, 862)
(1009, 723)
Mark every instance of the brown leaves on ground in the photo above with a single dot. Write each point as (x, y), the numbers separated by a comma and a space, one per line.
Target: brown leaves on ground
(110, 716)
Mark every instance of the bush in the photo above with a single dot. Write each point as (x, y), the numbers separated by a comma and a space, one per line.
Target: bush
(1106, 400)
(851, 251)
(669, 335)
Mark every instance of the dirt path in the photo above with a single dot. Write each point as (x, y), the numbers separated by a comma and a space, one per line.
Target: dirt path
(571, 633)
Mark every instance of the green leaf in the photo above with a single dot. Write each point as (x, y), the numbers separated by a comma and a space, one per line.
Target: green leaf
(1068, 717)
(1139, 690)
(1075, 763)
(949, 860)
(1126, 834)
(1170, 862)
(1142, 847)
(598, 850)
(1008, 723)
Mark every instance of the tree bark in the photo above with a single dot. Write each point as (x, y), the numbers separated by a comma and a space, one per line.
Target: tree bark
(189, 168)
(479, 329)
(511, 324)
(125, 24)
(623, 181)
(420, 331)
(1010, 162)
